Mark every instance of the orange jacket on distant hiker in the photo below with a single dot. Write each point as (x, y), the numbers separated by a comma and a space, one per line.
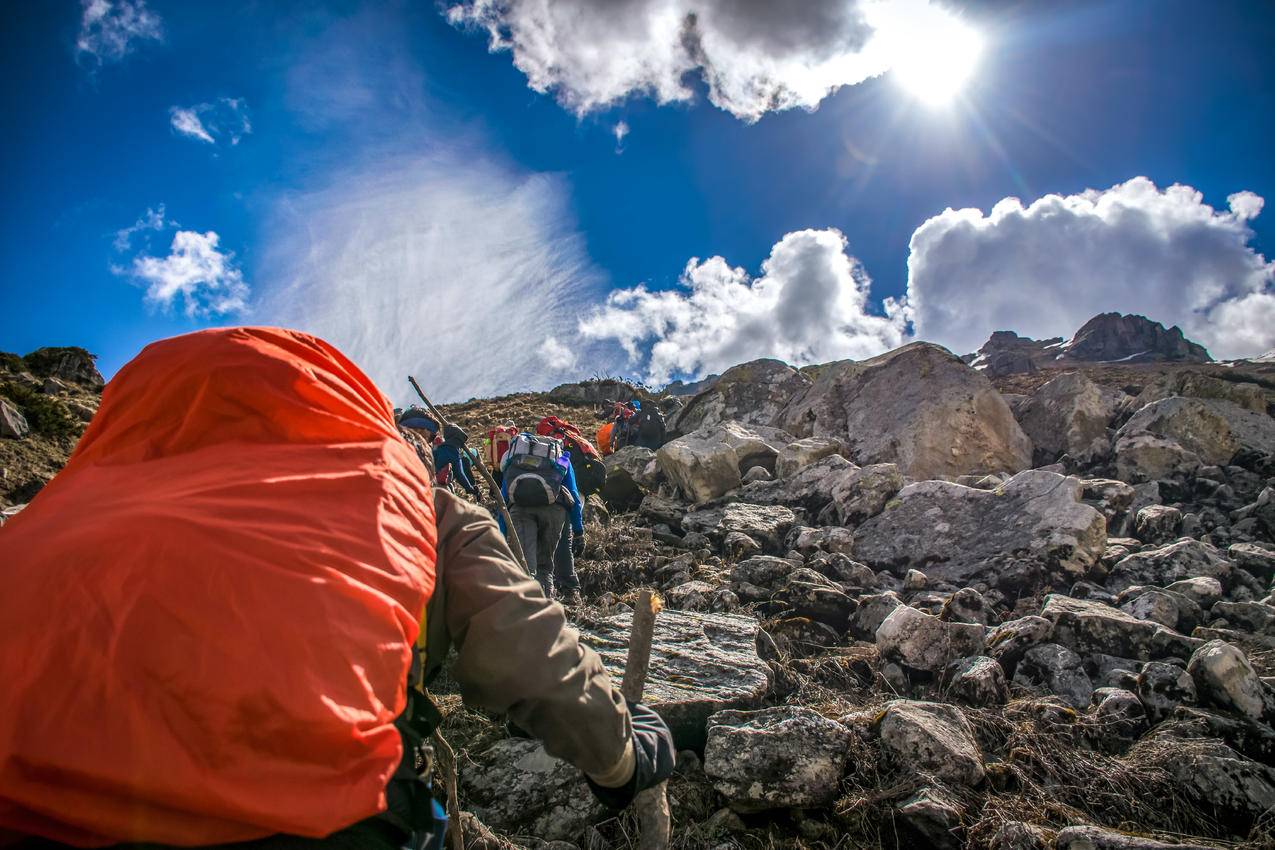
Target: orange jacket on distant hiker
(208, 615)
(604, 437)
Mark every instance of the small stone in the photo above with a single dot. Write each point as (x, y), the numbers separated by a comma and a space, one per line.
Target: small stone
(1057, 670)
(1224, 677)
(923, 642)
(1009, 641)
(757, 473)
(934, 816)
(1157, 524)
(932, 738)
(12, 423)
(978, 681)
(914, 581)
(1162, 687)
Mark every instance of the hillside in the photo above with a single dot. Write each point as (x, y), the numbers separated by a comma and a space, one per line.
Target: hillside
(908, 604)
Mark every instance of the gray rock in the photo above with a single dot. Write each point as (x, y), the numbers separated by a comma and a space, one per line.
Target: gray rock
(12, 423)
(1200, 386)
(706, 463)
(920, 641)
(935, 817)
(626, 469)
(966, 605)
(659, 509)
(1069, 415)
(736, 545)
(1154, 605)
(1188, 422)
(828, 538)
(1016, 835)
(700, 664)
(757, 473)
(1100, 838)
(1234, 789)
(763, 570)
(1202, 590)
(955, 533)
(1087, 627)
(783, 757)
(1146, 458)
(914, 580)
(801, 453)
(978, 681)
(864, 492)
(1119, 711)
(1111, 498)
(1157, 524)
(918, 406)
(1167, 564)
(1253, 617)
(753, 393)
(690, 596)
(1225, 678)
(766, 524)
(1058, 671)
(1009, 642)
(1254, 559)
(516, 787)
(1162, 687)
(817, 600)
(871, 613)
(931, 739)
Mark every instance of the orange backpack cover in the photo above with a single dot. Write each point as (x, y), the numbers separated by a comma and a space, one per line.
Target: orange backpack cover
(604, 438)
(209, 613)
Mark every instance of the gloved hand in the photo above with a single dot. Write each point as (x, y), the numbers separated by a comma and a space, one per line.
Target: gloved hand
(577, 543)
(653, 758)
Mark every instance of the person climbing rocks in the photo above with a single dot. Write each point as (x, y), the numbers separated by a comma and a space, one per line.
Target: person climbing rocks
(565, 581)
(540, 489)
(453, 455)
(420, 430)
(218, 614)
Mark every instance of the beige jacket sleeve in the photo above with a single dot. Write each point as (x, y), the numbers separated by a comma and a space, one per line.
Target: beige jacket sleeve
(517, 656)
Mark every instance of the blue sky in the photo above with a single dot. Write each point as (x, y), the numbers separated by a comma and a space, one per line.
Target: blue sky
(399, 188)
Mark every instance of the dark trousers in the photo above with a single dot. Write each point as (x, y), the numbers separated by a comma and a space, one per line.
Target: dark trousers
(565, 579)
(539, 529)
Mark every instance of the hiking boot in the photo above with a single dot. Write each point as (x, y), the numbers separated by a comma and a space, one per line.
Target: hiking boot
(572, 599)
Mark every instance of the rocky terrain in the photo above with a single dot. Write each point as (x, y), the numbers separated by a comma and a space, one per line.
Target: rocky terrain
(906, 606)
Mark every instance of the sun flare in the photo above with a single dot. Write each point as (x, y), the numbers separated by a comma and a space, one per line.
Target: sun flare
(932, 53)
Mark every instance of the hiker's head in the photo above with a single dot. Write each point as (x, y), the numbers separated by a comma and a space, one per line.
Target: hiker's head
(418, 420)
(454, 435)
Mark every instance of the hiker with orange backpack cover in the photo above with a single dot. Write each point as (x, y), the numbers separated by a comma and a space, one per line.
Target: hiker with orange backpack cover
(219, 614)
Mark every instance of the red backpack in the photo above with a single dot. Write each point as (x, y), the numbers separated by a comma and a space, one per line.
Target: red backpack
(586, 460)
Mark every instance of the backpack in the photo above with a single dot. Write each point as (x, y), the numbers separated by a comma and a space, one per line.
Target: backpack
(496, 444)
(586, 461)
(649, 424)
(534, 470)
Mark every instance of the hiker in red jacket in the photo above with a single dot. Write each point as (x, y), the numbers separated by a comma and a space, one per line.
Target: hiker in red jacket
(218, 616)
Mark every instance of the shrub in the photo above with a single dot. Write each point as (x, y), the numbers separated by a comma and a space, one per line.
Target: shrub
(47, 416)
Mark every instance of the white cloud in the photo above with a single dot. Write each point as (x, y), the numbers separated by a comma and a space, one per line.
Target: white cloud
(620, 131)
(152, 219)
(808, 306)
(754, 56)
(1044, 269)
(225, 119)
(110, 29)
(459, 272)
(206, 279)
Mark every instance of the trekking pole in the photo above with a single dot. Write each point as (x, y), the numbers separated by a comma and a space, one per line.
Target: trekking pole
(650, 805)
(511, 534)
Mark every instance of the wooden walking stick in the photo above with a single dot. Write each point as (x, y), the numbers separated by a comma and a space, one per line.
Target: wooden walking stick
(651, 805)
(511, 534)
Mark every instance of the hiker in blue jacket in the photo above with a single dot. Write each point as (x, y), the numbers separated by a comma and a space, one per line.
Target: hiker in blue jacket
(537, 518)
(452, 451)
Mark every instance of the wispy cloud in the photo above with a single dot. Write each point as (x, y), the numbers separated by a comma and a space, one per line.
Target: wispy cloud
(225, 119)
(196, 272)
(621, 132)
(463, 273)
(151, 220)
(112, 29)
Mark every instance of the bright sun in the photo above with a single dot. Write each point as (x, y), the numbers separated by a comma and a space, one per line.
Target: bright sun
(933, 56)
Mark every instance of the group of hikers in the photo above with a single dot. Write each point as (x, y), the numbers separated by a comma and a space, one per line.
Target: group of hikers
(544, 476)
(221, 616)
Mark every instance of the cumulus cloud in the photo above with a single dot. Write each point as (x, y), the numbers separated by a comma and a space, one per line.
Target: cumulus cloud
(753, 56)
(462, 273)
(809, 305)
(225, 119)
(111, 29)
(1045, 268)
(206, 280)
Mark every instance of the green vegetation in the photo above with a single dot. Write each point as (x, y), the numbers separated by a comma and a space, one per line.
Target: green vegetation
(11, 362)
(47, 416)
(43, 361)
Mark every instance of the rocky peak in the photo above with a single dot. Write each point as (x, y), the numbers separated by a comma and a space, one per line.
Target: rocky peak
(1110, 337)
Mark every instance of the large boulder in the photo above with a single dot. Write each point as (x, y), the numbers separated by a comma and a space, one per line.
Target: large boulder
(1225, 678)
(754, 393)
(1231, 788)
(1190, 423)
(710, 462)
(1058, 671)
(810, 488)
(1087, 627)
(1183, 559)
(516, 787)
(953, 532)
(918, 406)
(700, 664)
(1069, 415)
(782, 757)
(1199, 385)
(932, 739)
(801, 453)
(864, 492)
